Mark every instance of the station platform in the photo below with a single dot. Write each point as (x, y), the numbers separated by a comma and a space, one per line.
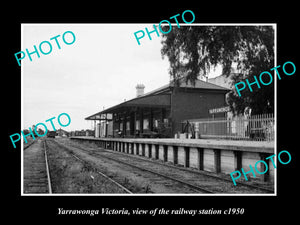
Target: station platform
(219, 156)
(255, 146)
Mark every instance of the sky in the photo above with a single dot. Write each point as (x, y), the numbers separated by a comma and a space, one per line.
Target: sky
(99, 70)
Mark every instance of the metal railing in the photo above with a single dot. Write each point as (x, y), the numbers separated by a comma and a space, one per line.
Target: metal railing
(255, 128)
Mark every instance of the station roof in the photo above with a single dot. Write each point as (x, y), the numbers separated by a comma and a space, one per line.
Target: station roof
(161, 100)
(159, 97)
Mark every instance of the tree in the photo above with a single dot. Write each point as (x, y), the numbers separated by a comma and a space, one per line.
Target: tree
(194, 50)
(40, 131)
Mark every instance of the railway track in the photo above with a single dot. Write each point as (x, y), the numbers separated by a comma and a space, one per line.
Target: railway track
(201, 181)
(198, 181)
(36, 174)
(203, 173)
(105, 176)
(155, 177)
(95, 170)
(169, 176)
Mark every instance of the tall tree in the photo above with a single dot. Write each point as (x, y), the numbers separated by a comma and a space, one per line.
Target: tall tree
(194, 50)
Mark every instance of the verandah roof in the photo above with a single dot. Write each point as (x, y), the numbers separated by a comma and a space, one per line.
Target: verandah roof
(159, 101)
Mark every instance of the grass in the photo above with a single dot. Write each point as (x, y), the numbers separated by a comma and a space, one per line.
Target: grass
(69, 175)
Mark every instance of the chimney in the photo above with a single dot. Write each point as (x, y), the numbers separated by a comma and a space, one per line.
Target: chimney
(139, 90)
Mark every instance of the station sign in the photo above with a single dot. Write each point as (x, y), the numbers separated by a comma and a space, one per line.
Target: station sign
(219, 110)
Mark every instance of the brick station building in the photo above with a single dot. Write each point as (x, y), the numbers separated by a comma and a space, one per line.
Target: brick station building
(159, 113)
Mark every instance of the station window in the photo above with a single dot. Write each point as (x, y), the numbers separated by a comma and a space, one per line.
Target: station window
(146, 124)
(121, 126)
(156, 123)
(137, 125)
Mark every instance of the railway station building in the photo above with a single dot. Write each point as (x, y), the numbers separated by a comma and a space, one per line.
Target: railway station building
(159, 113)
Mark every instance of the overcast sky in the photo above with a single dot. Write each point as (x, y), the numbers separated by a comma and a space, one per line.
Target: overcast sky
(100, 69)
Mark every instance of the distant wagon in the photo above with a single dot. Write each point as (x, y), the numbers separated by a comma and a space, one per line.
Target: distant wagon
(51, 134)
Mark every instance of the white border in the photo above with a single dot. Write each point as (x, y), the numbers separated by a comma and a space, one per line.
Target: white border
(275, 107)
(141, 24)
(22, 117)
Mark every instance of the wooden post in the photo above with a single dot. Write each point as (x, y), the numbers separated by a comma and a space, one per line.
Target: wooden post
(151, 120)
(175, 155)
(132, 148)
(165, 153)
(127, 147)
(106, 125)
(264, 177)
(186, 156)
(149, 150)
(156, 151)
(237, 160)
(137, 146)
(217, 160)
(141, 121)
(143, 149)
(200, 159)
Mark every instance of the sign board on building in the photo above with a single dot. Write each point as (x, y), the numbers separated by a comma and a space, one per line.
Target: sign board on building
(219, 110)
